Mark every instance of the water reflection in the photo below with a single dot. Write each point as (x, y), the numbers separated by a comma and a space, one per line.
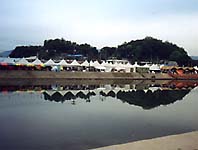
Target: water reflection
(147, 96)
(42, 116)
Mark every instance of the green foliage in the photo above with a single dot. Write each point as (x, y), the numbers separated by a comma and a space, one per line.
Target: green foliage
(55, 48)
(148, 49)
(25, 51)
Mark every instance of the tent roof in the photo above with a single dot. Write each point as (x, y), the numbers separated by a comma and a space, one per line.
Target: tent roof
(146, 66)
(104, 63)
(62, 63)
(128, 65)
(50, 63)
(23, 61)
(31, 58)
(8, 60)
(196, 68)
(136, 65)
(154, 67)
(74, 63)
(37, 62)
(95, 63)
(85, 64)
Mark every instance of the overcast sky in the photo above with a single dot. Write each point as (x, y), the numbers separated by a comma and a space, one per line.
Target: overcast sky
(98, 22)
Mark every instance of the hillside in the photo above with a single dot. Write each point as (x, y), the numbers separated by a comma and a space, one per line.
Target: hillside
(148, 49)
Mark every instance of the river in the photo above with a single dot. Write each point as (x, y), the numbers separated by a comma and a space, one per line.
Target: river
(75, 117)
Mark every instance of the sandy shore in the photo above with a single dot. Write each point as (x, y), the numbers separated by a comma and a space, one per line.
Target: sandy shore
(187, 141)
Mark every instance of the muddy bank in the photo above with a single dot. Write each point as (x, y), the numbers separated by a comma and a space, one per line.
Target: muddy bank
(81, 75)
(63, 82)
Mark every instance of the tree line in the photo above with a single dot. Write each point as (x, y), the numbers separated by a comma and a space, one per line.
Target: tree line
(147, 49)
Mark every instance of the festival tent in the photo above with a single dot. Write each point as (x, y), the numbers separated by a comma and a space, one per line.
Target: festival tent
(119, 66)
(22, 61)
(146, 66)
(85, 64)
(31, 58)
(196, 68)
(97, 65)
(91, 63)
(104, 63)
(37, 62)
(62, 63)
(50, 63)
(128, 67)
(107, 65)
(135, 66)
(153, 89)
(74, 63)
(100, 67)
(154, 67)
(9, 61)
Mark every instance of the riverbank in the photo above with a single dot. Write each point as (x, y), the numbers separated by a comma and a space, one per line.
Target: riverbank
(81, 75)
(187, 141)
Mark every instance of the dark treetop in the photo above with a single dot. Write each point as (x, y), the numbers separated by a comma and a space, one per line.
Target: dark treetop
(148, 49)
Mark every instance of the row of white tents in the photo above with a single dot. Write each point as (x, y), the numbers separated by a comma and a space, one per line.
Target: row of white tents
(104, 66)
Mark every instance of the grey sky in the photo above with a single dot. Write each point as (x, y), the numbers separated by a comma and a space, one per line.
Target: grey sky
(98, 22)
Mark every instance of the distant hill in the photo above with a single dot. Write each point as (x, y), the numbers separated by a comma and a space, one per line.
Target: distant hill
(5, 53)
(147, 49)
(194, 57)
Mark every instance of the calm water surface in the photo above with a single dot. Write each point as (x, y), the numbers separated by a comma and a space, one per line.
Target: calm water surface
(76, 117)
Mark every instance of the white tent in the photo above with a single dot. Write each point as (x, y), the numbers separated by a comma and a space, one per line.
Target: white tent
(100, 67)
(50, 63)
(10, 61)
(74, 63)
(62, 63)
(23, 61)
(91, 63)
(119, 66)
(196, 68)
(37, 62)
(108, 66)
(103, 63)
(85, 64)
(153, 89)
(94, 64)
(31, 58)
(97, 65)
(128, 65)
(135, 66)
(146, 66)
(154, 67)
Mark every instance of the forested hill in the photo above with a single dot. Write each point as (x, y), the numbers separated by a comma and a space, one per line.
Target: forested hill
(54, 49)
(148, 49)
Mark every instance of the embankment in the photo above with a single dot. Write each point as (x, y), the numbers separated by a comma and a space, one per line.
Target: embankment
(81, 75)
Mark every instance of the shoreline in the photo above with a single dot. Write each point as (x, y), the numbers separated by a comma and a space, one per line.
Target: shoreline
(82, 75)
(90, 76)
(185, 141)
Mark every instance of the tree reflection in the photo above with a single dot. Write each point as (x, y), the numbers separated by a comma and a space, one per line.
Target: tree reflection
(146, 100)
(147, 96)
(150, 99)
